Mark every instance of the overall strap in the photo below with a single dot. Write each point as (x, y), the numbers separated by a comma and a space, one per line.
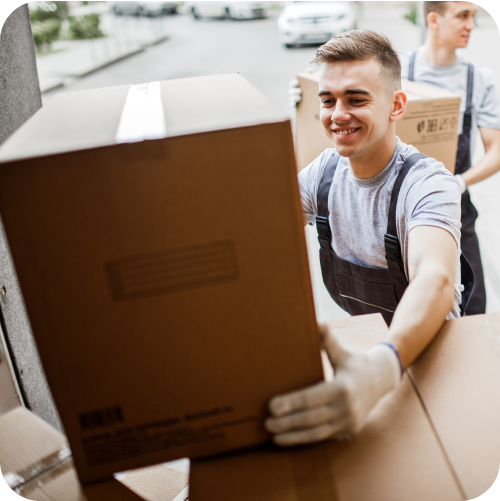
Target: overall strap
(411, 67)
(322, 220)
(467, 123)
(392, 246)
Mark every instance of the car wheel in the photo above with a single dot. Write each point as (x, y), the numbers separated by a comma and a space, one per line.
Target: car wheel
(289, 45)
(195, 13)
(228, 14)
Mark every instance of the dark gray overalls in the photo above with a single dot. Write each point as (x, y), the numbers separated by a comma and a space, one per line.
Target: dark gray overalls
(469, 242)
(359, 289)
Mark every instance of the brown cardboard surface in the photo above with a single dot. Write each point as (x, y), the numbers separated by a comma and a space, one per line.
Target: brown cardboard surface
(166, 281)
(26, 443)
(458, 379)
(395, 457)
(429, 123)
(156, 483)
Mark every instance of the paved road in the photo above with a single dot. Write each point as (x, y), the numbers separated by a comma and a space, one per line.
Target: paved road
(252, 48)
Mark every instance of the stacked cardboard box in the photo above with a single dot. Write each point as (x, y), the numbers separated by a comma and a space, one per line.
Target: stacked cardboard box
(430, 122)
(158, 240)
(435, 438)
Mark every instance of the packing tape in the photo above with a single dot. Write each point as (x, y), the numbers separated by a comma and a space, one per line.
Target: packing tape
(48, 467)
(313, 474)
(142, 115)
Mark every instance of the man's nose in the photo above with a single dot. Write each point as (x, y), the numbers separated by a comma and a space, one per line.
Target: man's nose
(471, 24)
(340, 113)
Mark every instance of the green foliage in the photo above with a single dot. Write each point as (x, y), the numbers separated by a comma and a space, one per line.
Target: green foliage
(412, 14)
(49, 10)
(46, 32)
(84, 27)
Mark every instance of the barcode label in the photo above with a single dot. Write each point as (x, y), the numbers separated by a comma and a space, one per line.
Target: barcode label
(101, 418)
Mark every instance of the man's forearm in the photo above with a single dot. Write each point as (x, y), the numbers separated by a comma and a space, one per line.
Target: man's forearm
(490, 163)
(420, 314)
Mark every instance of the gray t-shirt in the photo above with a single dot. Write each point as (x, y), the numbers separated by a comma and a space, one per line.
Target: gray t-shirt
(359, 208)
(453, 78)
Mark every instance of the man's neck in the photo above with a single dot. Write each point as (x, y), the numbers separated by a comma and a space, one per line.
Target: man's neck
(373, 162)
(438, 53)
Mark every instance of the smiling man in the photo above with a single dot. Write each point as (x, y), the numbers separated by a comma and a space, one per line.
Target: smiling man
(388, 221)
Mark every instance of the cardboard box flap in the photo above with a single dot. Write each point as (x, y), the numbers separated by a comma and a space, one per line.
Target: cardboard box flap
(37, 464)
(458, 379)
(89, 119)
(396, 456)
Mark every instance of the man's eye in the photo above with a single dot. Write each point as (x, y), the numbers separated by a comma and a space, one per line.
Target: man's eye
(358, 101)
(328, 101)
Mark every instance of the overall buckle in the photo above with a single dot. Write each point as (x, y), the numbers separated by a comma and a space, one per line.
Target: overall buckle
(392, 247)
(323, 227)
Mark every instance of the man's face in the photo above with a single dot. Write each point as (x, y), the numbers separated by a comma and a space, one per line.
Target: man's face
(355, 106)
(457, 23)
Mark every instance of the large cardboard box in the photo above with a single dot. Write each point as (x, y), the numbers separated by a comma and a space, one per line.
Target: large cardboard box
(436, 437)
(430, 122)
(166, 280)
(36, 463)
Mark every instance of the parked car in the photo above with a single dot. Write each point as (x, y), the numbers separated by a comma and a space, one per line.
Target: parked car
(304, 22)
(228, 10)
(144, 8)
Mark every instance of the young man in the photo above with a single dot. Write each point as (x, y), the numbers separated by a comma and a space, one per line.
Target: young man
(449, 25)
(387, 217)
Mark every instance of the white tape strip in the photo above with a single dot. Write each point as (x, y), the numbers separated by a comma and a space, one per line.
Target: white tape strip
(142, 116)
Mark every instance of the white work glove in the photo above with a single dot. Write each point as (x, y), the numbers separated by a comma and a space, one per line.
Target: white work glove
(294, 93)
(463, 184)
(338, 408)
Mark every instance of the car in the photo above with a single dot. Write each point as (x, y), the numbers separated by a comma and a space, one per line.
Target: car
(309, 22)
(144, 8)
(228, 10)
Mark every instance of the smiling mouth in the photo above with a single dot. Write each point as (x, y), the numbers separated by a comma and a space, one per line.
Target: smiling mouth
(345, 132)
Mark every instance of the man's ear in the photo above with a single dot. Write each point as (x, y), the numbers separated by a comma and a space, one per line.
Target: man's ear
(432, 19)
(399, 101)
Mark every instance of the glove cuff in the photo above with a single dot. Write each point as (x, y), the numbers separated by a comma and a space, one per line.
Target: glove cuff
(386, 367)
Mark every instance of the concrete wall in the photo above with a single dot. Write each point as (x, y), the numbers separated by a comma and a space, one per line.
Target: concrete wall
(19, 99)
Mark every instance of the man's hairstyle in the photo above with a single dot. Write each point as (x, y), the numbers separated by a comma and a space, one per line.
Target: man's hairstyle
(437, 7)
(361, 45)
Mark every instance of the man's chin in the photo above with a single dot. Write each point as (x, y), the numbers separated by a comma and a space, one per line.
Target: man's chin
(344, 150)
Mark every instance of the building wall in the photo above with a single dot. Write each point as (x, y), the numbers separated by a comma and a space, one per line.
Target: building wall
(19, 99)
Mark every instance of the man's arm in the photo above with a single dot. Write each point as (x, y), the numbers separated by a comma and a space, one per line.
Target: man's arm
(339, 407)
(490, 163)
(432, 259)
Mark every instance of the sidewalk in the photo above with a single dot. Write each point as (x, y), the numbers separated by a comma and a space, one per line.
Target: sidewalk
(125, 36)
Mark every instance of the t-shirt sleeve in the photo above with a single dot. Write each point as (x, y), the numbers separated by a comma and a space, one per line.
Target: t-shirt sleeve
(488, 108)
(309, 178)
(434, 200)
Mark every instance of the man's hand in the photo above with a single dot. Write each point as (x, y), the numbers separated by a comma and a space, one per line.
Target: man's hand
(340, 407)
(294, 93)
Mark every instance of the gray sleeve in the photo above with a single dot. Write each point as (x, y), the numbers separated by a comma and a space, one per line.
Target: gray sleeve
(309, 178)
(434, 200)
(487, 110)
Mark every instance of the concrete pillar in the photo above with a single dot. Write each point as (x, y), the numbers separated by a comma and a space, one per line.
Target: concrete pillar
(19, 99)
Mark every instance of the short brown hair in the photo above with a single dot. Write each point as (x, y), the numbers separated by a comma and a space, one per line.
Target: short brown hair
(360, 45)
(437, 7)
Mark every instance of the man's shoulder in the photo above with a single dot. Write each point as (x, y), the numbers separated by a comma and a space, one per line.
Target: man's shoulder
(424, 169)
(312, 173)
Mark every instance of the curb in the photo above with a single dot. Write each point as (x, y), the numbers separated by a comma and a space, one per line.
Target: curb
(66, 81)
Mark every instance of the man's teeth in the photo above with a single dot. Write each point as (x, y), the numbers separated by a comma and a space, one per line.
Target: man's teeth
(342, 132)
